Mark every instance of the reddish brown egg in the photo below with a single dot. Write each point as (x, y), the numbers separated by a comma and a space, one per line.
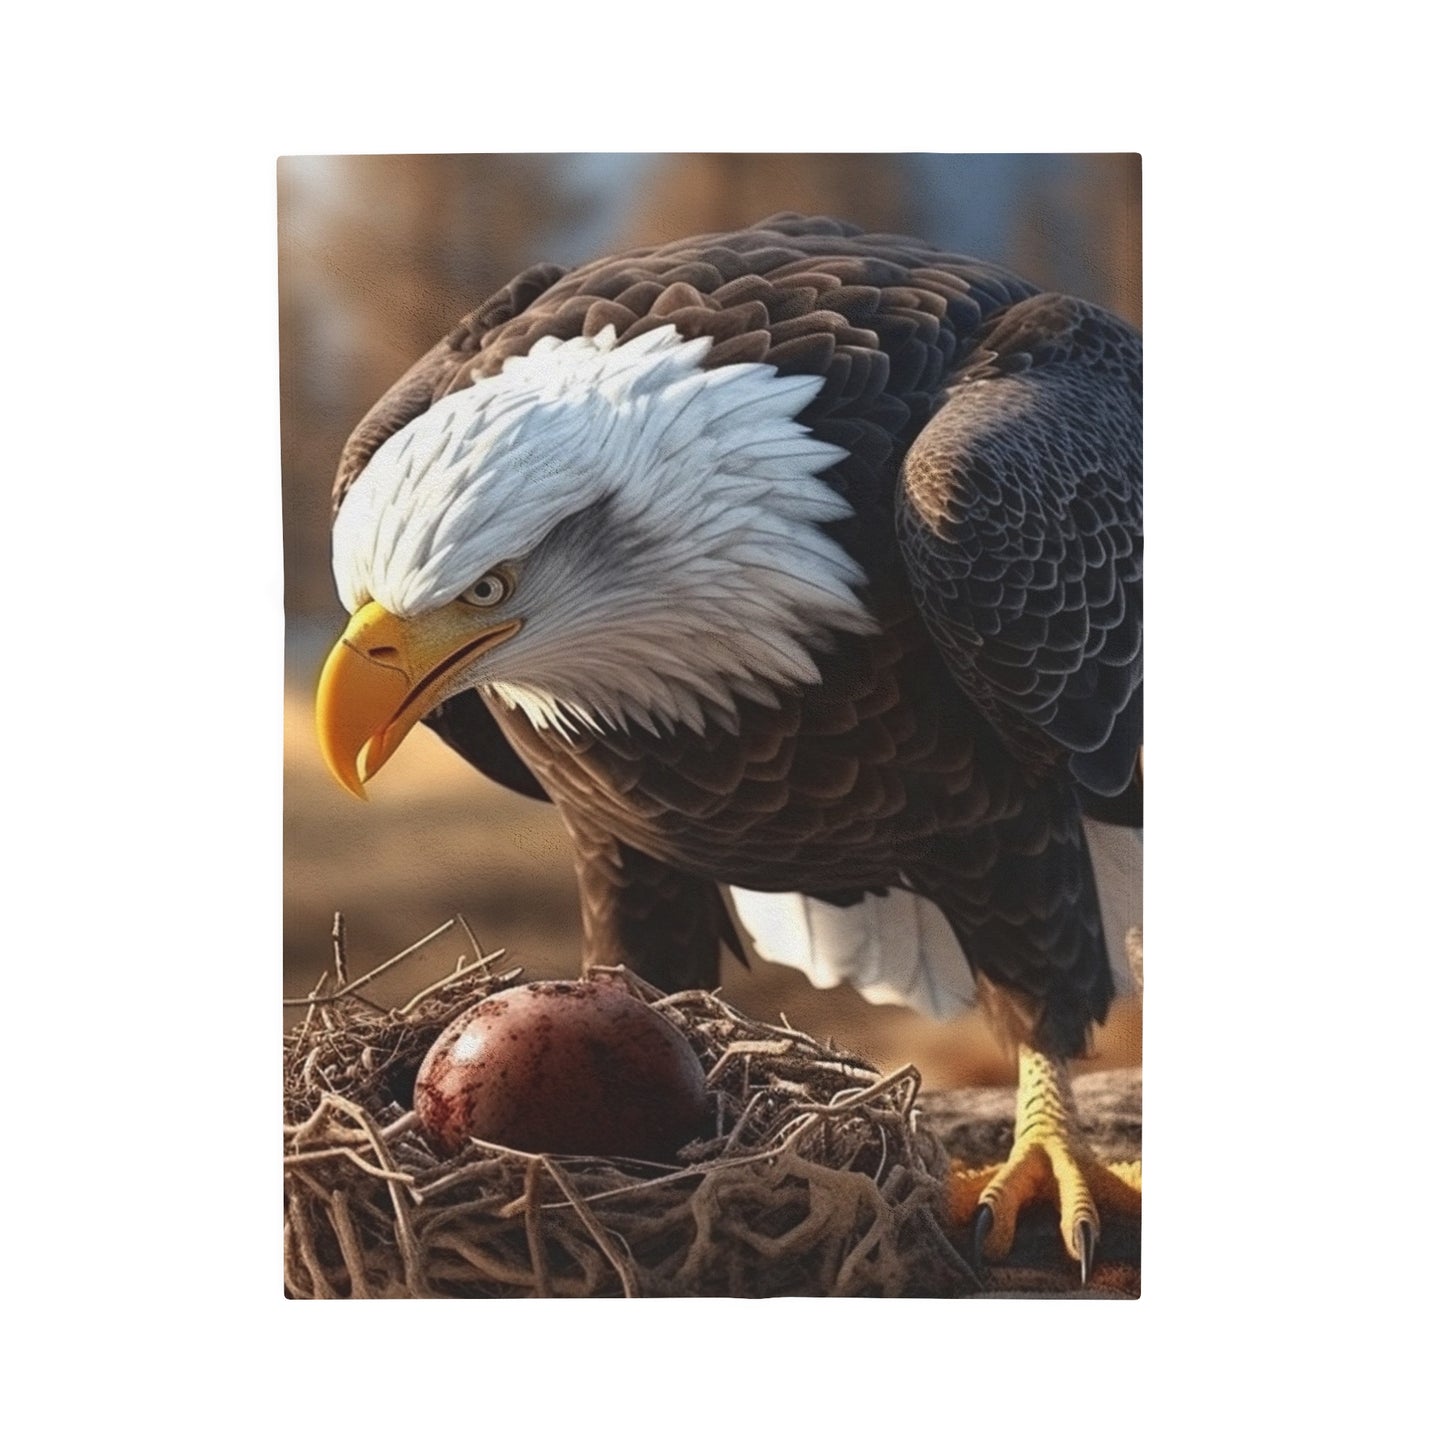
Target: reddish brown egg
(564, 1068)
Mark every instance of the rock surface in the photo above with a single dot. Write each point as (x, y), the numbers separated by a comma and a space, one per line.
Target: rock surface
(976, 1126)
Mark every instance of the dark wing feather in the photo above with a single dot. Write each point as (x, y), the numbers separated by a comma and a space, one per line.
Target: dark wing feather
(465, 725)
(1020, 516)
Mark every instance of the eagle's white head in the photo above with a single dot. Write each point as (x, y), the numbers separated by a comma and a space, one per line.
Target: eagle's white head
(602, 535)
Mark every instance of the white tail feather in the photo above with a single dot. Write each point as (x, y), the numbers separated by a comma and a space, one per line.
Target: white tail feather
(897, 947)
(1118, 858)
(893, 948)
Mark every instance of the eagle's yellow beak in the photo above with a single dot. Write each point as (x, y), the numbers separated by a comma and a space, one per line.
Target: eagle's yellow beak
(385, 674)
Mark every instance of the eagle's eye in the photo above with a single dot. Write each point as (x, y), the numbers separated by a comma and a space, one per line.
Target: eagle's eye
(488, 590)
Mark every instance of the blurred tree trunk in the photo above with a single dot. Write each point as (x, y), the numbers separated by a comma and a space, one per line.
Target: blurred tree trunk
(1115, 207)
(379, 257)
(1079, 231)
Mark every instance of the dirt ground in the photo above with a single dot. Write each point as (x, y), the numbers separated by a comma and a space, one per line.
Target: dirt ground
(436, 838)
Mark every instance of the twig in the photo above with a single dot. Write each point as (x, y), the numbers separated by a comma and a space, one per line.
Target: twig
(381, 968)
(739, 1050)
(604, 1241)
(405, 1234)
(295, 1161)
(346, 1238)
(536, 1246)
(471, 937)
(404, 1125)
(338, 948)
(301, 1236)
(447, 980)
(311, 1000)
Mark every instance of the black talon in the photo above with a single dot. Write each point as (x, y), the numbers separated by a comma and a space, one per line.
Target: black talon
(1085, 1238)
(982, 1225)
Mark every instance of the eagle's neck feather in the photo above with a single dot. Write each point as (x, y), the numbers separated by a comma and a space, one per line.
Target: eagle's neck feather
(666, 519)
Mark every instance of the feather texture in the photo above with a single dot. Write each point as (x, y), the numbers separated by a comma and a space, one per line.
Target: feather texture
(914, 437)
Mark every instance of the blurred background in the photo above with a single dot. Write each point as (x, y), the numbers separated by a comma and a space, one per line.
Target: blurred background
(379, 257)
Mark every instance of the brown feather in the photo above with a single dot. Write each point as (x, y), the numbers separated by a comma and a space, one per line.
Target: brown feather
(938, 749)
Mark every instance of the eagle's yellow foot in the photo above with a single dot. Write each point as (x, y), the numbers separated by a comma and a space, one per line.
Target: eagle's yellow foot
(1048, 1164)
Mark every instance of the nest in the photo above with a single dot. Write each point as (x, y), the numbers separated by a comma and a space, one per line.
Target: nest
(818, 1177)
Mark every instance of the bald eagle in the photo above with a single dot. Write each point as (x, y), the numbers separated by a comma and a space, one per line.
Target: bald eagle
(802, 570)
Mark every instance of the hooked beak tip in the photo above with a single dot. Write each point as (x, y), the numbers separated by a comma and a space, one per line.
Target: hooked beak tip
(346, 772)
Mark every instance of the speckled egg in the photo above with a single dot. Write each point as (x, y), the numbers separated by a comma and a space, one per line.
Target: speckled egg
(564, 1068)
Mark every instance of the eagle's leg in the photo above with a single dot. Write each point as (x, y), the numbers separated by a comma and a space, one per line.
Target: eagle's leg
(645, 915)
(1050, 1164)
